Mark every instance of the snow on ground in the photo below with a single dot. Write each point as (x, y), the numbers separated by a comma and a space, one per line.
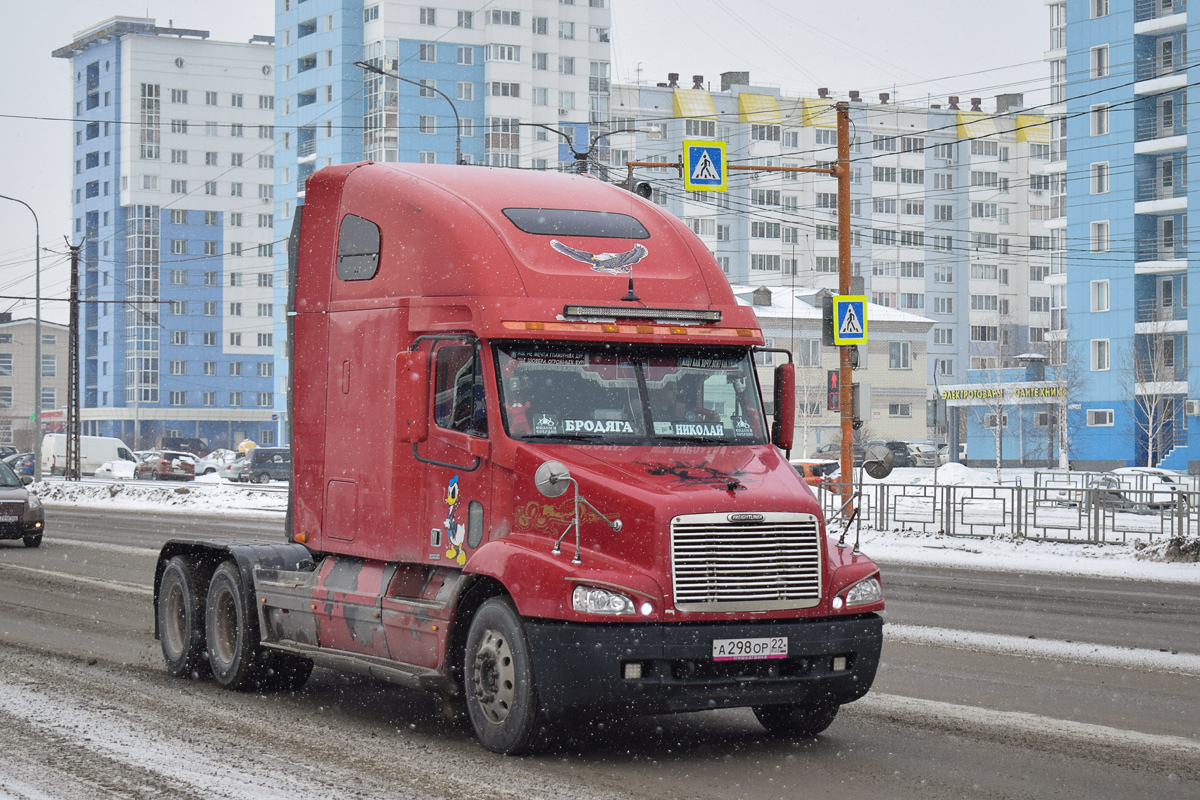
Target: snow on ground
(211, 495)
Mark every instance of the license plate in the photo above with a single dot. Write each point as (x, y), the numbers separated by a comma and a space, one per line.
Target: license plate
(750, 649)
(8, 519)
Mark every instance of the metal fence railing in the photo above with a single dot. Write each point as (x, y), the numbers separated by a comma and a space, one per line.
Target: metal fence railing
(1079, 507)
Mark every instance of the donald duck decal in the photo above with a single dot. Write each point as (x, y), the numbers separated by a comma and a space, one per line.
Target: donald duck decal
(456, 532)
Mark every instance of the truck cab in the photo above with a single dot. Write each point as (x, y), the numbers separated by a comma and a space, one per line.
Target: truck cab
(532, 470)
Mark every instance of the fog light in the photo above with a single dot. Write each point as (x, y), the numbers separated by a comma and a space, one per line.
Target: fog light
(839, 663)
(647, 609)
(633, 670)
(838, 603)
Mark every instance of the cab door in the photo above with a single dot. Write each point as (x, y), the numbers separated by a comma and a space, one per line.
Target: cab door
(456, 454)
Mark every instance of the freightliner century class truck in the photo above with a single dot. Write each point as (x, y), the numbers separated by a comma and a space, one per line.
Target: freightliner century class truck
(533, 471)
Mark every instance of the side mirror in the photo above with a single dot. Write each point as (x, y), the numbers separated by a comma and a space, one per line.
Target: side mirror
(412, 396)
(26, 479)
(783, 427)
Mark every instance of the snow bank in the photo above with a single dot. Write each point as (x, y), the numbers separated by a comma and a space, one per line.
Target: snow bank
(207, 494)
(952, 474)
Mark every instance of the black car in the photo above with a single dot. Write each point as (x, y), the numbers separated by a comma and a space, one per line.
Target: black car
(266, 464)
(900, 454)
(21, 513)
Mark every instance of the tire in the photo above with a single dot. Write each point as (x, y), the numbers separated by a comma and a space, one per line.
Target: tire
(32, 540)
(501, 698)
(180, 615)
(210, 471)
(231, 632)
(262, 477)
(799, 721)
(154, 476)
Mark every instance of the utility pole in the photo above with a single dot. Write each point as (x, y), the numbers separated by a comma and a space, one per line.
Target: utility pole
(845, 378)
(72, 470)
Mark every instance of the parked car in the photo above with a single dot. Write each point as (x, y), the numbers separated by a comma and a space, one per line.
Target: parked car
(828, 450)
(161, 465)
(267, 464)
(1151, 486)
(93, 451)
(21, 513)
(922, 454)
(816, 471)
(900, 454)
(7, 450)
(21, 463)
(119, 470)
(233, 470)
(211, 464)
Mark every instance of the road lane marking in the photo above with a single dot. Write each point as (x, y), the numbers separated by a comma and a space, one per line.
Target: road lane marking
(119, 586)
(1056, 649)
(1023, 727)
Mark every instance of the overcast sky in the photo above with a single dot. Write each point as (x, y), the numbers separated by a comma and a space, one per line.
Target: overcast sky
(914, 50)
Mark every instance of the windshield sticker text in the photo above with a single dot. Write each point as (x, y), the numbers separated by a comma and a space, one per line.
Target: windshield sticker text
(699, 429)
(545, 425)
(597, 426)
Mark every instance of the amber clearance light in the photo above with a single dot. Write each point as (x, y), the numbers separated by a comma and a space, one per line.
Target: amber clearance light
(663, 314)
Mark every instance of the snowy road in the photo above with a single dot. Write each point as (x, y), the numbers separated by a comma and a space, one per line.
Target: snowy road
(966, 704)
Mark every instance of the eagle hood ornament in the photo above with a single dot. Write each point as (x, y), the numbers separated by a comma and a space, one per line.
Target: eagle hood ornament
(607, 263)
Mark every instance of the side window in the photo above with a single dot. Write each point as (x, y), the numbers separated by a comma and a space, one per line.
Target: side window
(458, 390)
(358, 249)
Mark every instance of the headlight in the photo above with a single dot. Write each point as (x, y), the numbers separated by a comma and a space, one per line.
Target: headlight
(864, 592)
(35, 501)
(594, 600)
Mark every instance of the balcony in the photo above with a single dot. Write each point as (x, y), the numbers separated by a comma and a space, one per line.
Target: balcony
(1155, 189)
(1160, 248)
(1160, 127)
(1162, 309)
(1150, 67)
(1145, 10)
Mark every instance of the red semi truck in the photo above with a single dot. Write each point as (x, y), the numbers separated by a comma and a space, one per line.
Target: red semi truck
(532, 471)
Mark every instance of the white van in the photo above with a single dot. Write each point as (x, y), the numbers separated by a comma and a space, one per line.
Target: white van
(93, 451)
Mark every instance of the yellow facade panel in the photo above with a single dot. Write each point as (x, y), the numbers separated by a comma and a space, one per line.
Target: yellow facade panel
(693, 103)
(976, 124)
(819, 113)
(1033, 128)
(758, 108)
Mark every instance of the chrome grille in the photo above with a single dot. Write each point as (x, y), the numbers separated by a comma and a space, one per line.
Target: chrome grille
(723, 565)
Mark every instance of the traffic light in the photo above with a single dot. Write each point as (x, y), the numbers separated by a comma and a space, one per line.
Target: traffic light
(827, 321)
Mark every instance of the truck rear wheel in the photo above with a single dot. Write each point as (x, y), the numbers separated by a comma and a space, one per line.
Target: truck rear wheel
(797, 721)
(180, 614)
(498, 682)
(231, 630)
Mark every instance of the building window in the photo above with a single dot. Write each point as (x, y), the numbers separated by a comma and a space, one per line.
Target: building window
(1099, 119)
(210, 338)
(1099, 417)
(210, 398)
(428, 51)
(428, 16)
(1099, 355)
(1100, 177)
(266, 340)
(178, 398)
(466, 56)
(428, 123)
(266, 369)
(266, 399)
(566, 30)
(235, 369)
(1100, 8)
(49, 366)
(899, 355)
(1100, 61)
(1100, 236)
(235, 339)
(465, 19)
(899, 409)
(235, 399)
(1100, 295)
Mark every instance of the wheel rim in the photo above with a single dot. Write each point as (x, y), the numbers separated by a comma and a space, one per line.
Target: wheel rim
(495, 676)
(175, 621)
(225, 625)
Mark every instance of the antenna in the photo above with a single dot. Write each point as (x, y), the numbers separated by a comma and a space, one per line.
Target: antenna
(630, 296)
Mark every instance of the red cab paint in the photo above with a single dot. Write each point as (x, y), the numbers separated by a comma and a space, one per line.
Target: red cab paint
(532, 470)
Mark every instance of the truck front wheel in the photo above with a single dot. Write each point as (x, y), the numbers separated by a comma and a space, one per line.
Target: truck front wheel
(180, 615)
(498, 682)
(797, 721)
(231, 631)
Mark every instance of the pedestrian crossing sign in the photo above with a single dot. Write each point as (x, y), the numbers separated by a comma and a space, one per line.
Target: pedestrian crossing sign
(704, 166)
(849, 319)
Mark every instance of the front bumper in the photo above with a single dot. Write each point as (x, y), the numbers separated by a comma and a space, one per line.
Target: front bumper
(30, 524)
(581, 667)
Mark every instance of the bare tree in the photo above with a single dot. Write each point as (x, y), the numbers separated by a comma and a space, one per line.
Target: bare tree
(991, 350)
(1066, 378)
(1149, 364)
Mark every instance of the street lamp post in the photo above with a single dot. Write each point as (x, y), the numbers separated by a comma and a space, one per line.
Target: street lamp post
(457, 123)
(37, 335)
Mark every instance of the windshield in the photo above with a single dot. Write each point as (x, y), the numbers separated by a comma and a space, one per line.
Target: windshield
(629, 395)
(8, 479)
